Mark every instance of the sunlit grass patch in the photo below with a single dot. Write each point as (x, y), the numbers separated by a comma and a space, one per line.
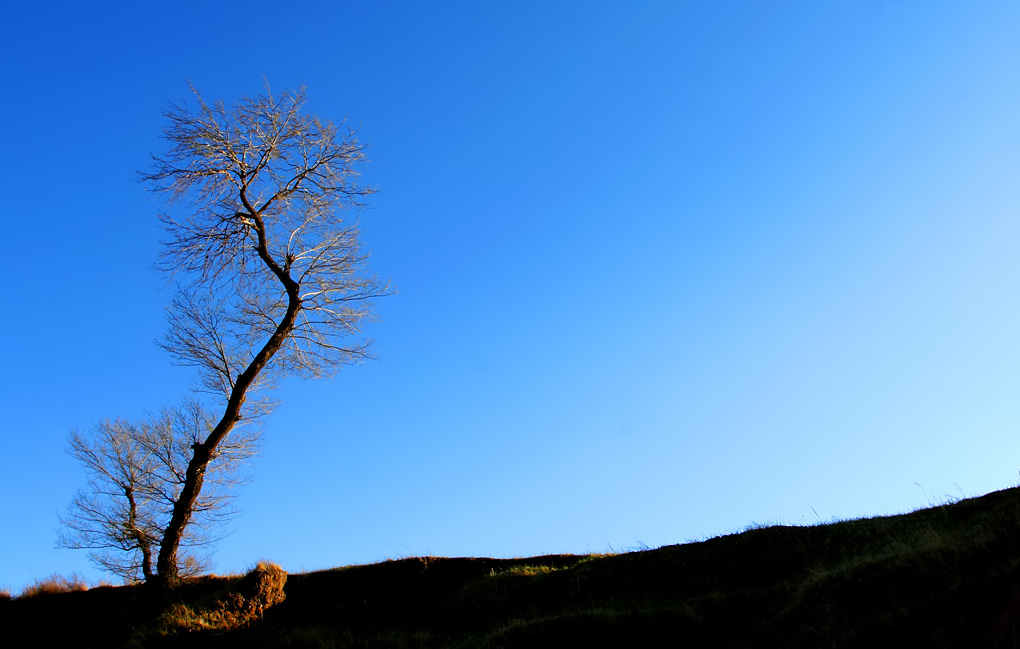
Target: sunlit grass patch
(243, 600)
(526, 571)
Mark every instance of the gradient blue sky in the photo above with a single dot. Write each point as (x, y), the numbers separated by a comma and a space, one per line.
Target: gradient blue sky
(665, 269)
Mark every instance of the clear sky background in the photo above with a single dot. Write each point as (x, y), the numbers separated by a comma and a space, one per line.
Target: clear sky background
(665, 269)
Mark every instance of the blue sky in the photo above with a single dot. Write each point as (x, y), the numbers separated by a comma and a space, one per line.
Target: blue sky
(664, 269)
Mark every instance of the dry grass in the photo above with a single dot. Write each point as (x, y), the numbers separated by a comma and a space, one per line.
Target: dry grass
(245, 601)
(54, 584)
(268, 580)
(526, 571)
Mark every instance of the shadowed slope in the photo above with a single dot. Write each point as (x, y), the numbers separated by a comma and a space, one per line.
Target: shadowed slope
(947, 576)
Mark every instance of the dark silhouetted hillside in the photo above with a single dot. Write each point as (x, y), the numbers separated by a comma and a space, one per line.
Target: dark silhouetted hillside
(941, 577)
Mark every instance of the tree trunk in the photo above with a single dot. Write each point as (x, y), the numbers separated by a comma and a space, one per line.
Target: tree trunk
(141, 539)
(166, 563)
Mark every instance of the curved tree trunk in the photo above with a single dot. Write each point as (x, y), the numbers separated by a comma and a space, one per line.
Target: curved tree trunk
(202, 453)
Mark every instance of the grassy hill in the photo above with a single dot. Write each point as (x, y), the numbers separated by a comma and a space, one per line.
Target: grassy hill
(948, 576)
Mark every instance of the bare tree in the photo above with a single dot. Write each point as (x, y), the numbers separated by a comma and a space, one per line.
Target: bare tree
(136, 472)
(271, 278)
